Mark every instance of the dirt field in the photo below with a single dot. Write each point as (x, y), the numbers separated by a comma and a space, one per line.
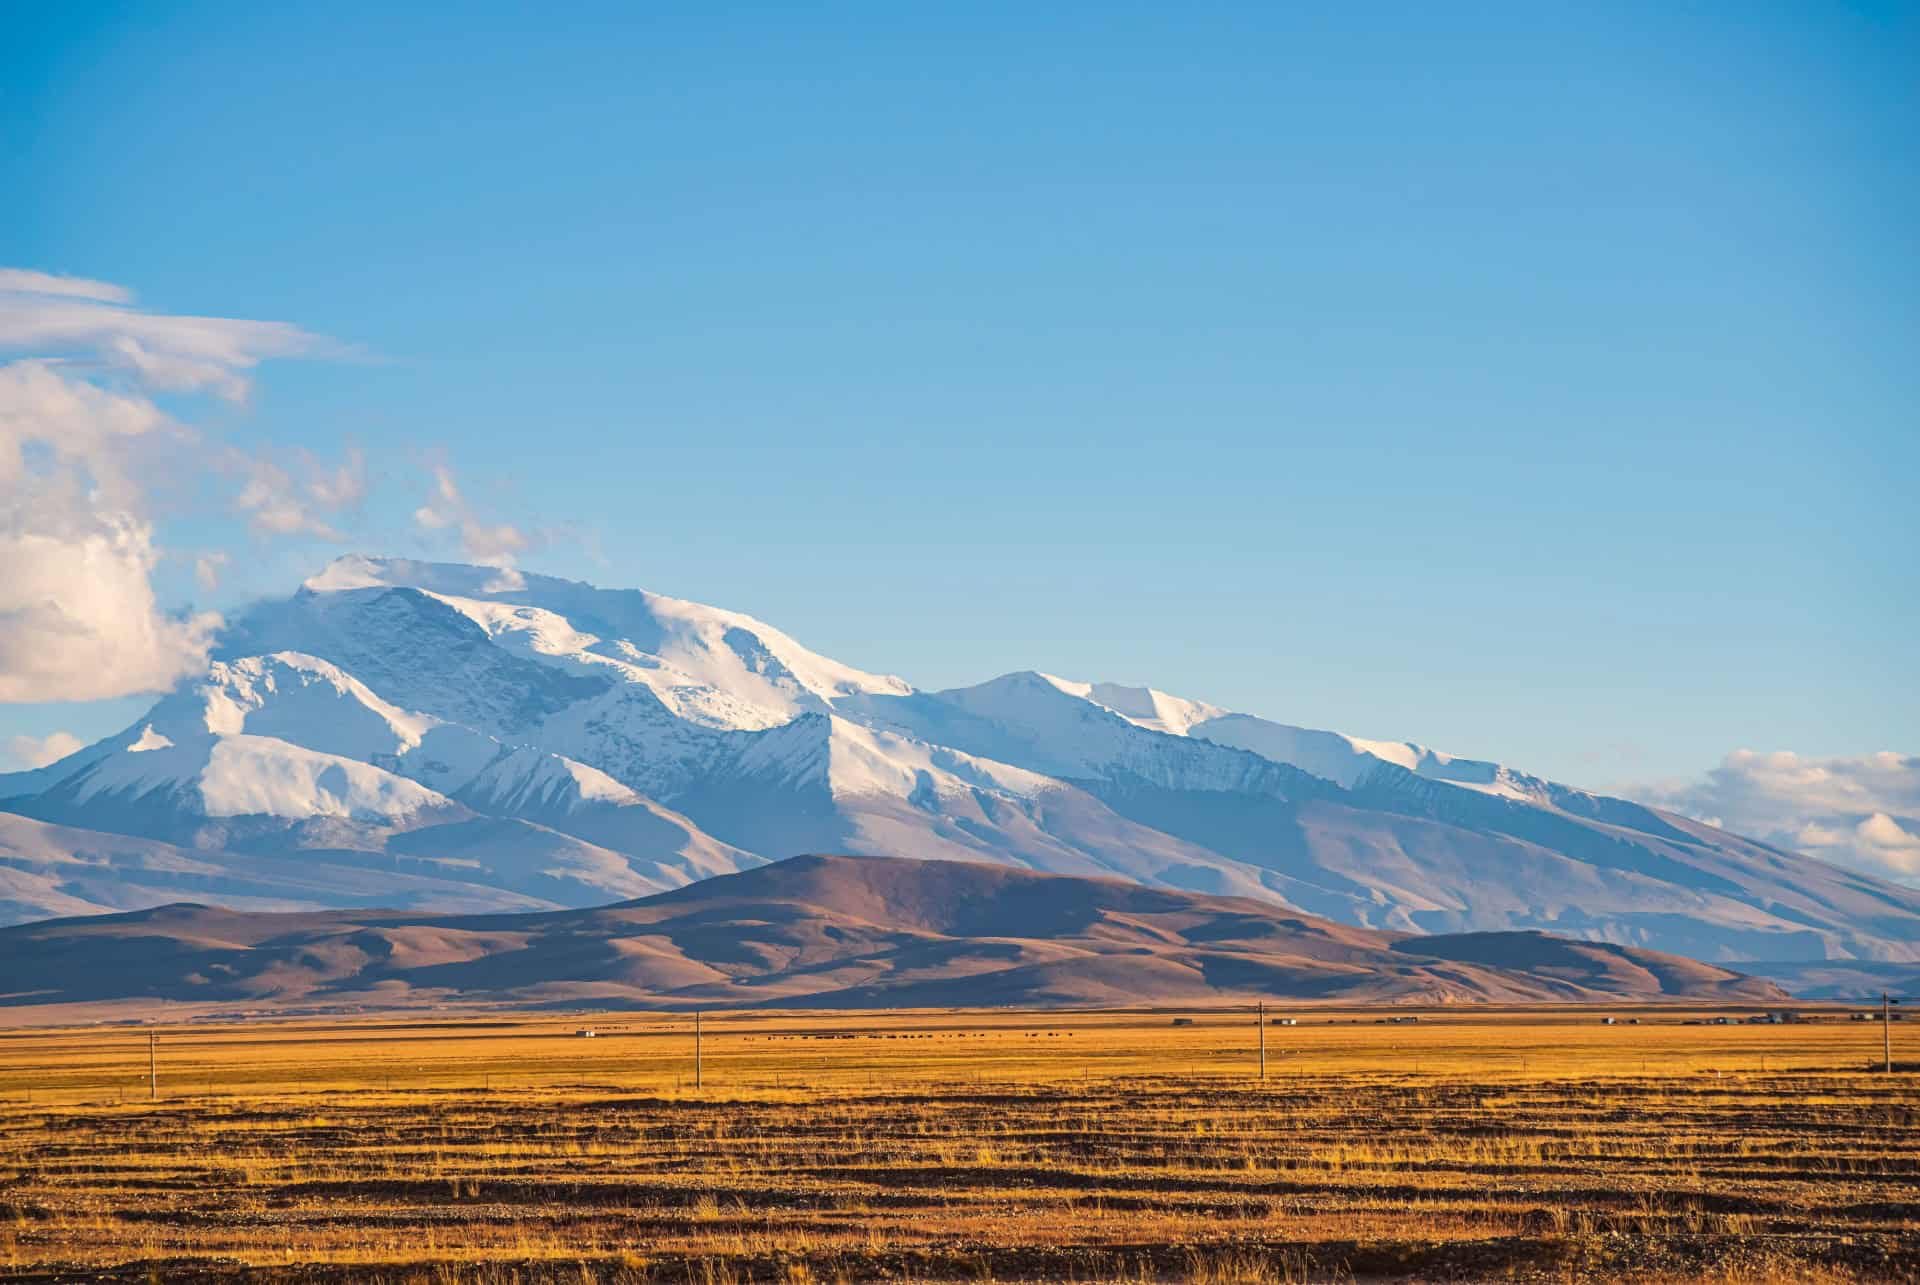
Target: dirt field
(944, 1146)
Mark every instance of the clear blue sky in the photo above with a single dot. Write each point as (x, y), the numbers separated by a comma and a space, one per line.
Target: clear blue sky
(1534, 380)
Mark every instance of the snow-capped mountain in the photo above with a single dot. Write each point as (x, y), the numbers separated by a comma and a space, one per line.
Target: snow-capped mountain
(467, 737)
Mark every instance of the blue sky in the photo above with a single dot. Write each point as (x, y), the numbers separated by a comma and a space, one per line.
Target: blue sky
(1537, 381)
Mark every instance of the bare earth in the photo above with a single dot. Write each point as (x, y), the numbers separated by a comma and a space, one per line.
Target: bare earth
(812, 932)
(949, 1145)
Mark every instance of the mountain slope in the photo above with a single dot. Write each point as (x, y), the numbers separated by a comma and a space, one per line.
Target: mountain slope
(57, 869)
(392, 711)
(823, 932)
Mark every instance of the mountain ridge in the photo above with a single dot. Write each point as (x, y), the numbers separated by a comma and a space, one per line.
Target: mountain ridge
(433, 716)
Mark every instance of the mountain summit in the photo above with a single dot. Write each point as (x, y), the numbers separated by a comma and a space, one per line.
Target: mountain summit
(462, 738)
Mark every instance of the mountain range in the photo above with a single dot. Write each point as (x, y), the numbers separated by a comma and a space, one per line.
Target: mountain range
(449, 738)
(816, 932)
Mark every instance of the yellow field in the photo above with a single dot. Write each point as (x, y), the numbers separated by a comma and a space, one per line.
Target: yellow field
(963, 1146)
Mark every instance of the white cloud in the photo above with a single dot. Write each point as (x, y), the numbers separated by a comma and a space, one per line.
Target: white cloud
(492, 544)
(1861, 812)
(27, 281)
(58, 433)
(81, 441)
(166, 353)
(1896, 846)
(78, 618)
(276, 502)
(28, 752)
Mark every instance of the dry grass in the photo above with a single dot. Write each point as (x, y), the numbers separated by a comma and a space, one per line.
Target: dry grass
(961, 1147)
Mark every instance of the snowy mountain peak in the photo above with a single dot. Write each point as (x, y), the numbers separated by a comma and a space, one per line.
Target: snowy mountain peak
(460, 735)
(1348, 760)
(865, 761)
(361, 571)
(723, 666)
(525, 778)
(1343, 760)
(248, 776)
(292, 695)
(1142, 706)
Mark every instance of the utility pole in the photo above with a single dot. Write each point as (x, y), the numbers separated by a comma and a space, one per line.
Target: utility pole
(1260, 1016)
(696, 1048)
(153, 1067)
(1886, 1031)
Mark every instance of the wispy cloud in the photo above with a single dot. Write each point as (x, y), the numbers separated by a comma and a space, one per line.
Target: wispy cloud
(300, 496)
(165, 353)
(27, 281)
(1862, 812)
(447, 511)
(80, 439)
(207, 568)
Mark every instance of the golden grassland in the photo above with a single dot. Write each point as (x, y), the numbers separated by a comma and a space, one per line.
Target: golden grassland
(948, 1146)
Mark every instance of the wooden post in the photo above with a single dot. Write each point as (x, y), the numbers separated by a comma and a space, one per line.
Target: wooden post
(1260, 1016)
(153, 1067)
(1886, 1031)
(696, 1048)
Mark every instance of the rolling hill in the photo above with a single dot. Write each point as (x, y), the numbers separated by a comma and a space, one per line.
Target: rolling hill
(817, 931)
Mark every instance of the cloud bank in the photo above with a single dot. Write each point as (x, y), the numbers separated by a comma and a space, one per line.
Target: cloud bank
(28, 752)
(1862, 812)
(80, 437)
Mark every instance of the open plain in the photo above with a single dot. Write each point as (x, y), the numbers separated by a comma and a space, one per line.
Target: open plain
(1088, 1146)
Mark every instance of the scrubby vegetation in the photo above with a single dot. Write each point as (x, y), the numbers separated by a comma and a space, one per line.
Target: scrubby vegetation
(946, 1147)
